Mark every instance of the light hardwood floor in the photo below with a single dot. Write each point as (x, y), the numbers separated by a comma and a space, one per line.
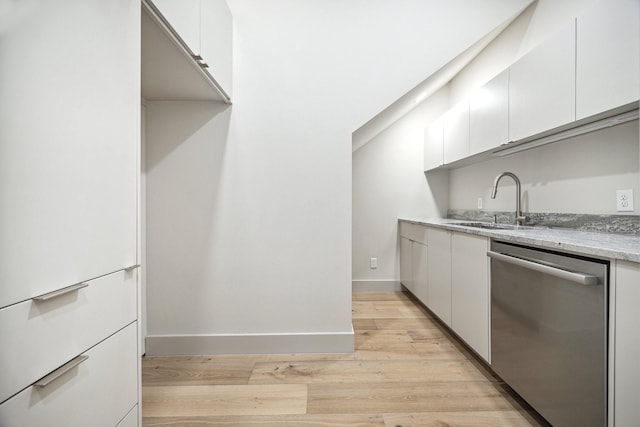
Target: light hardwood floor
(406, 371)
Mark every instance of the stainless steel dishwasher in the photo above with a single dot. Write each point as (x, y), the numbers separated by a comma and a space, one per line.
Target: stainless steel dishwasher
(549, 331)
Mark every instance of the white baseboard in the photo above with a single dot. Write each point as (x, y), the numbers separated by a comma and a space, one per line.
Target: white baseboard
(376, 286)
(191, 345)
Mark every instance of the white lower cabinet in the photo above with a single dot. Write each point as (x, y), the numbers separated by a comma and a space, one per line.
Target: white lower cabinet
(627, 344)
(439, 274)
(470, 292)
(413, 259)
(419, 271)
(449, 273)
(406, 260)
(39, 336)
(100, 391)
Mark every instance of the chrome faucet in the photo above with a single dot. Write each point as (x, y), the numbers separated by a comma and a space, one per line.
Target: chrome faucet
(519, 217)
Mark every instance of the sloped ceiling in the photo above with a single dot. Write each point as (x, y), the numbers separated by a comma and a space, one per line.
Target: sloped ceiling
(371, 52)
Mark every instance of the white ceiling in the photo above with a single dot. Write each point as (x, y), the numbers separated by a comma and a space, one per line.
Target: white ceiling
(368, 53)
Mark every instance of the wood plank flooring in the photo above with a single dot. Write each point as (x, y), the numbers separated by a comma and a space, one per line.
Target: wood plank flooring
(406, 371)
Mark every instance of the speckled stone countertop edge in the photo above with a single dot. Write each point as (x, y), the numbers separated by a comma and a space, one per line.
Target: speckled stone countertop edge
(602, 245)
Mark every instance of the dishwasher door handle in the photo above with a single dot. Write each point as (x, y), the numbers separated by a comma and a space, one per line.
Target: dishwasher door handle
(583, 279)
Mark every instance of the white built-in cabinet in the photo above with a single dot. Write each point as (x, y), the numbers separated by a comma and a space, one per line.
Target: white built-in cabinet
(439, 273)
(433, 149)
(419, 271)
(587, 71)
(489, 114)
(626, 343)
(413, 259)
(184, 17)
(456, 133)
(542, 86)
(216, 44)
(470, 294)
(607, 57)
(205, 30)
(406, 261)
(69, 160)
(448, 273)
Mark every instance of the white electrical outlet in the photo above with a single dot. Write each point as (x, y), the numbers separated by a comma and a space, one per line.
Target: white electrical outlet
(479, 202)
(624, 200)
(373, 263)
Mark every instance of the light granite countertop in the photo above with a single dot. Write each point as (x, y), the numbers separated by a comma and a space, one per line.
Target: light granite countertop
(602, 245)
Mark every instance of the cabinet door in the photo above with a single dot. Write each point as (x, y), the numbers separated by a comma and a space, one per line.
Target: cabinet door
(470, 291)
(627, 345)
(184, 17)
(433, 137)
(439, 274)
(406, 273)
(456, 133)
(542, 87)
(419, 268)
(608, 57)
(69, 132)
(489, 115)
(217, 41)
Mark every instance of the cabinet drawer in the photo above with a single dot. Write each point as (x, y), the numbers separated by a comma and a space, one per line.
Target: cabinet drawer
(98, 392)
(415, 232)
(38, 336)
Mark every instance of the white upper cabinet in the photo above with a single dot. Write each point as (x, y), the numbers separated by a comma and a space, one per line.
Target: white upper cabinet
(489, 115)
(216, 41)
(184, 17)
(433, 138)
(456, 133)
(187, 50)
(69, 150)
(542, 87)
(608, 56)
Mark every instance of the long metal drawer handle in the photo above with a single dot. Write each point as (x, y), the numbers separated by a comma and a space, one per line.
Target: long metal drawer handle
(583, 279)
(60, 292)
(43, 382)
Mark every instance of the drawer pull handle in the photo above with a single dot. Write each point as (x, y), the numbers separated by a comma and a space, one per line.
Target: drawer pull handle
(132, 267)
(60, 292)
(45, 381)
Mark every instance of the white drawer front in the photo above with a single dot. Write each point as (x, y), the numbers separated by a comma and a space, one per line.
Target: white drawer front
(99, 392)
(38, 336)
(415, 232)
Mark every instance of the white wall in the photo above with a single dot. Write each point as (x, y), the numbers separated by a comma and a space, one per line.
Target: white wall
(249, 208)
(580, 175)
(547, 183)
(388, 183)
